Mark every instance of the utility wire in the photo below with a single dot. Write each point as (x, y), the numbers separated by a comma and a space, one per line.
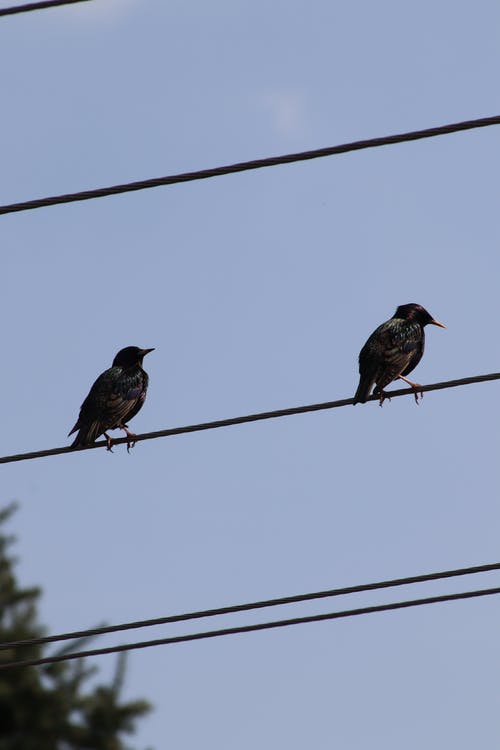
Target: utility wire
(249, 418)
(246, 165)
(105, 629)
(251, 628)
(37, 6)
(204, 174)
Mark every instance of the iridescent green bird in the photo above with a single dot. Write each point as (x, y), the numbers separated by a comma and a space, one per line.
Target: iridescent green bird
(116, 396)
(393, 350)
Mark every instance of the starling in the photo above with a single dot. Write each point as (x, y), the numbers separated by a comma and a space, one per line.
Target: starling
(393, 350)
(116, 396)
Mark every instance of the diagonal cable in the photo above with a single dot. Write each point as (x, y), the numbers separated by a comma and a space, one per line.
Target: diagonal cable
(244, 166)
(231, 609)
(252, 628)
(27, 7)
(260, 416)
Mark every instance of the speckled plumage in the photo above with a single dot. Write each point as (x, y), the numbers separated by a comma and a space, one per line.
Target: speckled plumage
(116, 396)
(393, 350)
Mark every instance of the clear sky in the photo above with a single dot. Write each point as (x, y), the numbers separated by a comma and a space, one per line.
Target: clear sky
(258, 290)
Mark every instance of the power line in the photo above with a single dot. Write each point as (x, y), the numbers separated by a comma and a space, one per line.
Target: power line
(261, 416)
(244, 166)
(252, 628)
(37, 6)
(106, 629)
(204, 174)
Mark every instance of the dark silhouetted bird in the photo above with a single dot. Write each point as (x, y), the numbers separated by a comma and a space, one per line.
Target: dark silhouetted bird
(116, 396)
(393, 350)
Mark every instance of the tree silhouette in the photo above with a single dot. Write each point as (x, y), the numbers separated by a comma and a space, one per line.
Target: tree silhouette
(51, 707)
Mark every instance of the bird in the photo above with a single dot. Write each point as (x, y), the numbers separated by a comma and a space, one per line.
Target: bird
(392, 351)
(117, 395)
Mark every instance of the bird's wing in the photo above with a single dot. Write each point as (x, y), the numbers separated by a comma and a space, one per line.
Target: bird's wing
(406, 339)
(388, 344)
(398, 345)
(125, 399)
(91, 408)
(109, 400)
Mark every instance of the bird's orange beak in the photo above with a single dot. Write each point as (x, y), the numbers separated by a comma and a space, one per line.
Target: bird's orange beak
(434, 323)
(146, 351)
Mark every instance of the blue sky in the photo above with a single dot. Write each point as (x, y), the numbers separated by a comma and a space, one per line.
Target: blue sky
(258, 290)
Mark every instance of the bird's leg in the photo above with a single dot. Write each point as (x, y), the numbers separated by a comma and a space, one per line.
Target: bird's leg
(416, 387)
(109, 442)
(382, 396)
(130, 437)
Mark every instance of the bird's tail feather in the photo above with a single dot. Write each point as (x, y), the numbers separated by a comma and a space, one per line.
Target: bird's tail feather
(364, 389)
(87, 434)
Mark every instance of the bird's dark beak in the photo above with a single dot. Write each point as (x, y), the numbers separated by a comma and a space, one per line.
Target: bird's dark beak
(146, 351)
(434, 323)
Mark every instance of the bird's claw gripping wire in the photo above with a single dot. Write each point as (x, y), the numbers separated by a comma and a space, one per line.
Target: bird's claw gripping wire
(417, 388)
(130, 438)
(382, 396)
